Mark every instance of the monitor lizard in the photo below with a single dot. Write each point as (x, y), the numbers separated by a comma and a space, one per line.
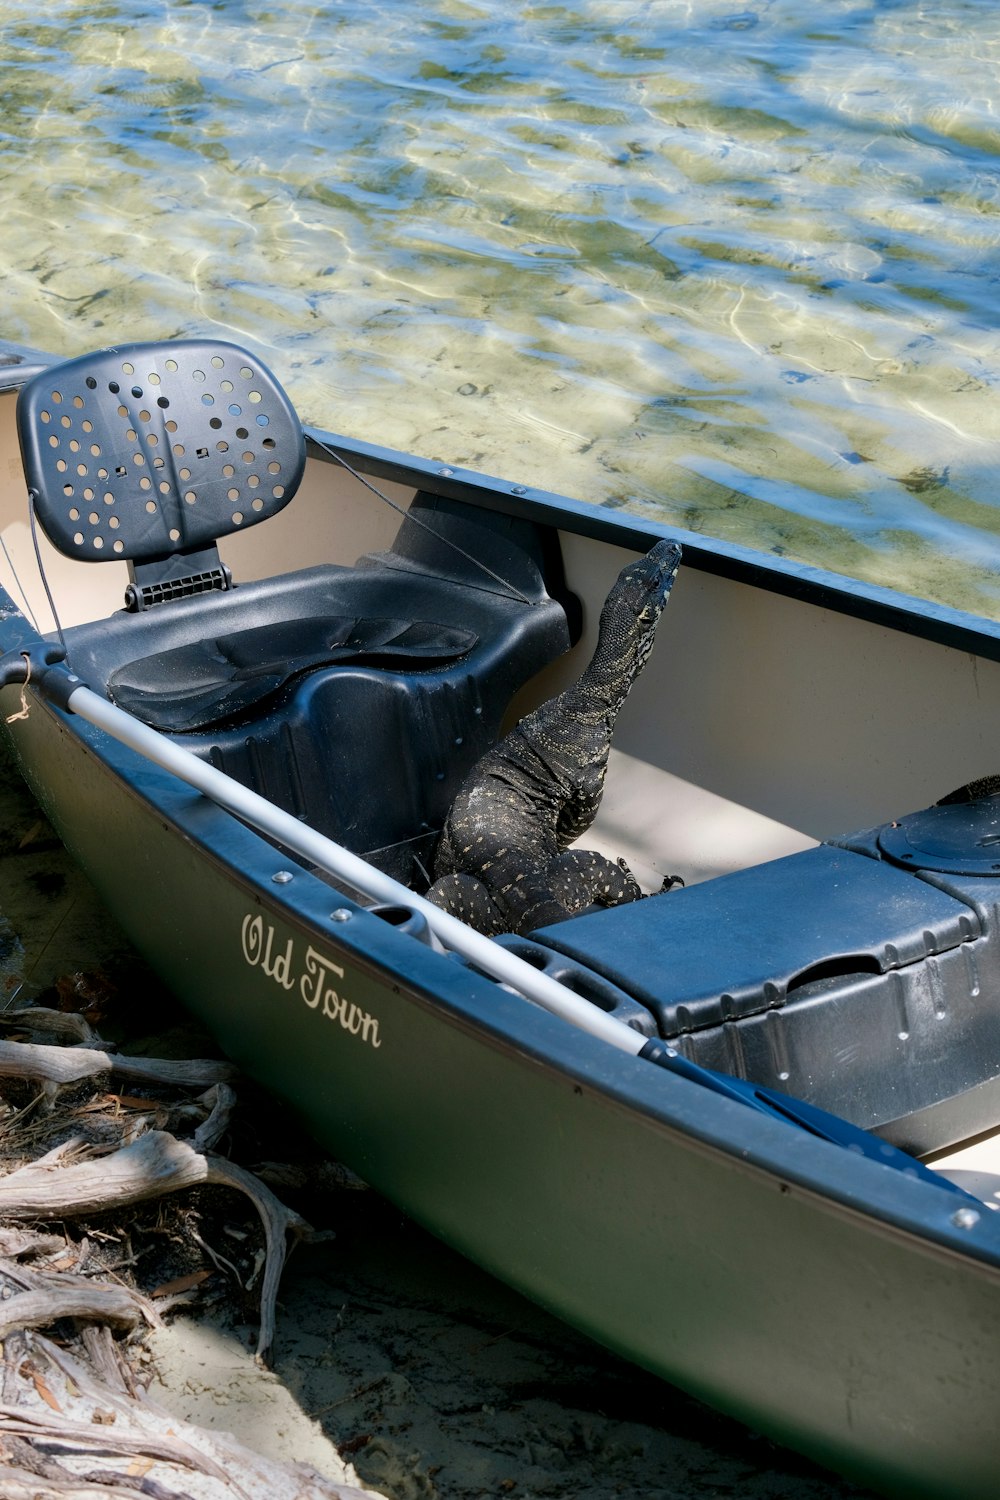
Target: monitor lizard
(503, 862)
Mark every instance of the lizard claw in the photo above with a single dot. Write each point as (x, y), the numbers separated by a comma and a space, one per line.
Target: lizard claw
(635, 889)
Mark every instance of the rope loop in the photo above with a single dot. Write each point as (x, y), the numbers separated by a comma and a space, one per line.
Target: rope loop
(24, 710)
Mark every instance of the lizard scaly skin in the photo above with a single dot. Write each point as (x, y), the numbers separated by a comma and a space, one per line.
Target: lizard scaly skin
(503, 863)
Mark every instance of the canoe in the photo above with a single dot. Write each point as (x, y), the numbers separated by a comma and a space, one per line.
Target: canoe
(744, 1132)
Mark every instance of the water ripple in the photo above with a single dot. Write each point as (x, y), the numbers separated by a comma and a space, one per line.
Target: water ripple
(732, 266)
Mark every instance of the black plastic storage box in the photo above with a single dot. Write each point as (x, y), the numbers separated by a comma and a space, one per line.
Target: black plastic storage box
(863, 977)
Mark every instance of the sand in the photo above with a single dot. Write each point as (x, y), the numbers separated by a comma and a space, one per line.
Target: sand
(433, 1380)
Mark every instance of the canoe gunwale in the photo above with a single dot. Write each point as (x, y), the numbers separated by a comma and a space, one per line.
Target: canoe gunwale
(873, 603)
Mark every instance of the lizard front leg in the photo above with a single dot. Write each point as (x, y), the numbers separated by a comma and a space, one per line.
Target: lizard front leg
(467, 898)
(569, 883)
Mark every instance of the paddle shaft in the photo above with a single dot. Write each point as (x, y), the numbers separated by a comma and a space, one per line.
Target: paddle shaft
(333, 859)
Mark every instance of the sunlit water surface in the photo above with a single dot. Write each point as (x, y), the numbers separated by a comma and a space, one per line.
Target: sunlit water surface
(735, 269)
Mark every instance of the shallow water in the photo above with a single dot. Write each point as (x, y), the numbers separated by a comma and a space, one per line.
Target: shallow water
(731, 268)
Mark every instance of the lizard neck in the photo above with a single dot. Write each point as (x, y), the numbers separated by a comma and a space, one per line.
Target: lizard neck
(607, 681)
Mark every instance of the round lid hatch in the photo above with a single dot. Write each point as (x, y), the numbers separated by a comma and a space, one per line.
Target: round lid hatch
(957, 838)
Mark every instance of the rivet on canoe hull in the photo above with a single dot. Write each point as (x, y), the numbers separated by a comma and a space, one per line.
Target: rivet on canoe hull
(342, 914)
(282, 877)
(965, 1218)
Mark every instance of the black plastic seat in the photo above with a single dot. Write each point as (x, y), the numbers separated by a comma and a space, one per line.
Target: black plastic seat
(209, 681)
(150, 453)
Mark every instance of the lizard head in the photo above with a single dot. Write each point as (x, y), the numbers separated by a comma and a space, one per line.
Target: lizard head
(634, 605)
(645, 584)
(629, 619)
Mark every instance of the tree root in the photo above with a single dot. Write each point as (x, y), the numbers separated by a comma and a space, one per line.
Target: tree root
(115, 1305)
(81, 1428)
(153, 1165)
(61, 1065)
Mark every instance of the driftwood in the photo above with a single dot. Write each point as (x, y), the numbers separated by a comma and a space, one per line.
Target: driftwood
(80, 1425)
(41, 1297)
(62, 1023)
(114, 1305)
(61, 1065)
(153, 1165)
(15, 1242)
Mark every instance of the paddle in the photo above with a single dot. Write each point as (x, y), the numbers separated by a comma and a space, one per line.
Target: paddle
(66, 691)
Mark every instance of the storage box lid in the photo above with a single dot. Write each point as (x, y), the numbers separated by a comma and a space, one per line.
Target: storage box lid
(747, 942)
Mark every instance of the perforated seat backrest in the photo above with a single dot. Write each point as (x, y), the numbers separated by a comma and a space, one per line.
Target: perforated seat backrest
(147, 450)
